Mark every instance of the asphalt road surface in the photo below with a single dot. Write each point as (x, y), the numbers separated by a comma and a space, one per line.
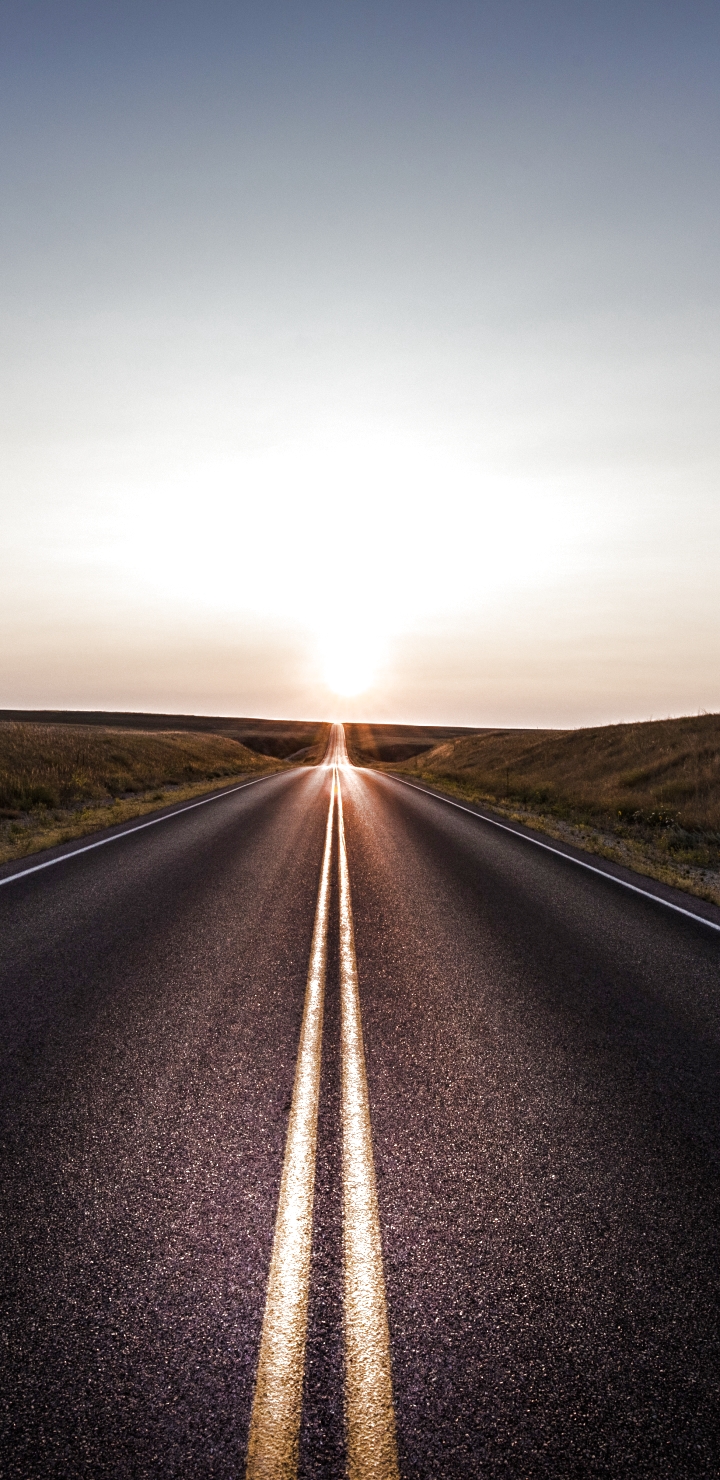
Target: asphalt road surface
(540, 1050)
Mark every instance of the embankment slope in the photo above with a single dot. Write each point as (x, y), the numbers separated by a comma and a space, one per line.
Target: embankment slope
(59, 782)
(647, 794)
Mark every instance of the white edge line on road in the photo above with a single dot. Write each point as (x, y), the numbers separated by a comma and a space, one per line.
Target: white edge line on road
(591, 867)
(153, 821)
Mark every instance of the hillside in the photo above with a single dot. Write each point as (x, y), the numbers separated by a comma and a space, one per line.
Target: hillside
(61, 781)
(368, 743)
(297, 740)
(648, 792)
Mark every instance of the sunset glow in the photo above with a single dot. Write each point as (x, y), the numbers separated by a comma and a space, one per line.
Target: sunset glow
(348, 667)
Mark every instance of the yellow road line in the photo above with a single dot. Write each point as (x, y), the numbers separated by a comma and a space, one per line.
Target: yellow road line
(275, 1422)
(371, 1444)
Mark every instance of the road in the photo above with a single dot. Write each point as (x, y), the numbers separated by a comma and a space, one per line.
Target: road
(404, 1128)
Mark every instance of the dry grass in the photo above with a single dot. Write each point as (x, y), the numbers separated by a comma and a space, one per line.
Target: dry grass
(284, 739)
(647, 794)
(59, 782)
(368, 743)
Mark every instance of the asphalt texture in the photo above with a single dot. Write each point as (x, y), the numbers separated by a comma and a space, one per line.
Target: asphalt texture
(543, 1060)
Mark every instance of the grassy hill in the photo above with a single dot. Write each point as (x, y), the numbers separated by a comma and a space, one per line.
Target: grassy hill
(297, 740)
(647, 794)
(369, 743)
(60, 781)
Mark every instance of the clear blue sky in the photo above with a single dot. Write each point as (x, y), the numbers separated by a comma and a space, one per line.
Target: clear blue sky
(361, 347)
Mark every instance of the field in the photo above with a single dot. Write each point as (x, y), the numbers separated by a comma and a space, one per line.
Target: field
(60, 781)
(367, 743)
(645, 794)
(301, 741)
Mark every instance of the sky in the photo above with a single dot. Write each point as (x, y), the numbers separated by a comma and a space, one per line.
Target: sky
(360, 360)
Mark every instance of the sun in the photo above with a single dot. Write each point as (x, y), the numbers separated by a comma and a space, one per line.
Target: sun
(348, 666)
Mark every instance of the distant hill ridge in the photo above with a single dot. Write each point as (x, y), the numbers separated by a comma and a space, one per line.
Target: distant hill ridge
(280, 738)
(388, 742)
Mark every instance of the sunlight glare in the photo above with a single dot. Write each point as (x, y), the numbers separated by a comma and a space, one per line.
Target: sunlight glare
(347, 664)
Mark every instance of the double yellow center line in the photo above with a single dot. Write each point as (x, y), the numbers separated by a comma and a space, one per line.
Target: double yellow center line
(370, 1419)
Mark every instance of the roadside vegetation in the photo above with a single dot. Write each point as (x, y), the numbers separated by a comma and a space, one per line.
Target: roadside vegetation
(59, 781)
(646, 795)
